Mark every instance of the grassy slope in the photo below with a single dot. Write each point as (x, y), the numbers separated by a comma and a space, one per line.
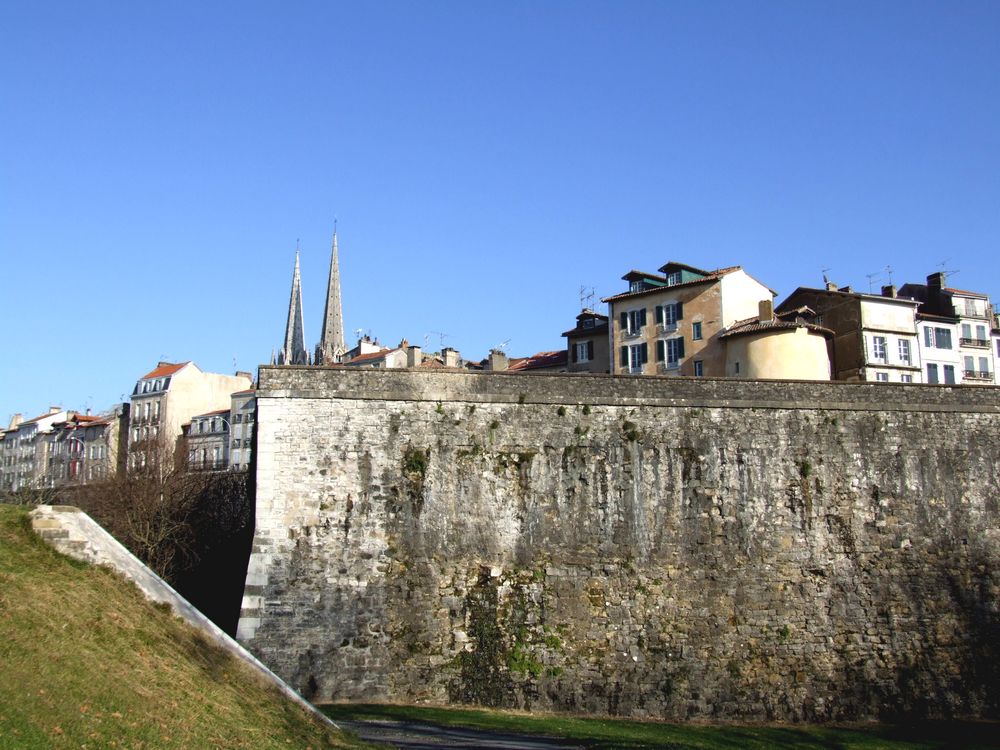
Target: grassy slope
(615, 734)
(86, 661)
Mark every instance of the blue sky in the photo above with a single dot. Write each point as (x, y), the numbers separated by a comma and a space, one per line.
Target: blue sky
(158, 162)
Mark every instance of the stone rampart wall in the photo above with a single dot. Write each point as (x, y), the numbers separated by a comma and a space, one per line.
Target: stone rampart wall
(641, 546)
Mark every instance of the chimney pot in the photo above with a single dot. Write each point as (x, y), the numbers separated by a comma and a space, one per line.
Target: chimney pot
(765, 311)
(889, 291)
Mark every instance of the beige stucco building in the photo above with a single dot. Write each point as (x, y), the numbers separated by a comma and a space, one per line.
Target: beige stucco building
(168, 396)
(587, 344)
(874, 337)
(670, 323)
(769, 347)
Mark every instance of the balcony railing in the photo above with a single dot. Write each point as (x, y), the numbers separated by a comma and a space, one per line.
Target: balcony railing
(666, 327)
(977, 343)
(631, 334)
(665, 367)
(978, 375)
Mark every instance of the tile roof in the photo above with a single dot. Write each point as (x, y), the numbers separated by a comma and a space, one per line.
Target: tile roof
(371, 356)
(539, 360)
(967, 294)
(164, 369)
(211, 413)
(710, 276)
(754, 325)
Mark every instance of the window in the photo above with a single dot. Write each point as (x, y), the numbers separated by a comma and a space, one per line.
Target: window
(984, 367)
(878, 348)
(699, 368)
(635, 286)
(588, 323)
(966, 331)
(736, 368)
(932, 374)
(981, 335)
(949, 374)
(667, 315)
(633, 321)
(905, 378)
(145, 410)
(937, 338)
(583, 351)
(673, 278)
(156, 410)
(633, 357)
(670, 351)
(882, 377)
(970, 367)
(904, 351)
(239, 418)
(696, 333)
(234, 458)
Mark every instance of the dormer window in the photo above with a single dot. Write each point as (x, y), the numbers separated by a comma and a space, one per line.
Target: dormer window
(588, 323)
(673, 279)
(635, 286)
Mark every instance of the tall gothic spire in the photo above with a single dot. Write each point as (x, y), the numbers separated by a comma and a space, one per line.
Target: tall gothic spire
(331, 343)
(294, 350)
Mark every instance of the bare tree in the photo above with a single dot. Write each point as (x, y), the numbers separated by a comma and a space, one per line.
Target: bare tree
(150, 507)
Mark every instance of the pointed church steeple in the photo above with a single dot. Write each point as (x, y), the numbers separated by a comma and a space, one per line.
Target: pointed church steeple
(294, 350)
(331, 343)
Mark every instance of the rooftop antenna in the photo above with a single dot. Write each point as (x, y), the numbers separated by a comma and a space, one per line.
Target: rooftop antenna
(586, 297)
(943, 265)
(358, 332)
(441, 337)
(502, 345)
(888, 270)
(825, 279)
(871, 276)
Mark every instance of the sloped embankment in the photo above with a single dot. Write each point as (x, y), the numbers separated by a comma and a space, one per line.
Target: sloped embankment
(88, 662)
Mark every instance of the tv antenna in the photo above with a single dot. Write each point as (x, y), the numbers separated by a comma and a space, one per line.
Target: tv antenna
(943, 265)
(586, 297)
(502, 345)
(871, 276)
(825, 279)
(441, 337)
(888, 271)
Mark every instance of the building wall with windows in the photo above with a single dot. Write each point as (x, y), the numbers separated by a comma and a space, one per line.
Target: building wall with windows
(671, 324)
(587, 347)
(169, 396)
(207, 441)
(874, 337)
(242, 418)
(87, 448)
(939, 350)
(26, 451)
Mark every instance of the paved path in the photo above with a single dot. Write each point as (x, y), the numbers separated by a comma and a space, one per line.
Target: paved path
(410, 735)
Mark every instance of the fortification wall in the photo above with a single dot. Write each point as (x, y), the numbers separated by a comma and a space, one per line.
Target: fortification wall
(642, 546)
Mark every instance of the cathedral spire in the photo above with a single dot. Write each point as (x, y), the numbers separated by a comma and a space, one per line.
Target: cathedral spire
(294, 350)
(331, 343)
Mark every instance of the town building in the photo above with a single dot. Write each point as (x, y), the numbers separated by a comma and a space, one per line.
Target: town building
(242, 419)
(874, 336)
(789, 346)
(26, 450)
(171, 395)
(206, 439)
(670, 323)
(87, 448)
(956, 336)
(587, 347)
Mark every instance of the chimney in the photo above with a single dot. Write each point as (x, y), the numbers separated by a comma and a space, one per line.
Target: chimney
(889, 291)
(497, 361)
(55, 409)
(244, 374)
(765, 311)
(15, 421)
(413, 356)
(935, 282)
(450, 357)
(87, 411)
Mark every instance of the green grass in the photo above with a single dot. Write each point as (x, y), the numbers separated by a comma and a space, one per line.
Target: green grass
(605, 734)
(87, 662)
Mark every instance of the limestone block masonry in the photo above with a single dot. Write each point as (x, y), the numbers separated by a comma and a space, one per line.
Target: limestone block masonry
(674, 548)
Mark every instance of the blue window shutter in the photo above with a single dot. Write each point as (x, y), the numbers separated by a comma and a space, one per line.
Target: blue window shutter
(680, 310)
(642, 317)
(624, 320)
(572, 348)
(624, 356)
(644, 353)
(590, 350)
(660, 346)
(680, 348)
(659, 314)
